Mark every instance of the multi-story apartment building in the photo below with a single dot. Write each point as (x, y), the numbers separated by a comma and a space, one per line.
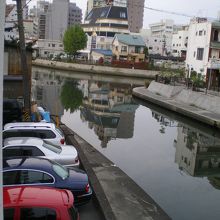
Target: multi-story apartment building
(75, 14)
(203, 52)
(163, 30)
(179, 42)
(135, 10)
(103, 23)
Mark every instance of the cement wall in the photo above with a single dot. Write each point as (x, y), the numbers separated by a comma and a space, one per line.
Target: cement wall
(200, 100)
(180, 94)
(164, 90)
(105, 70)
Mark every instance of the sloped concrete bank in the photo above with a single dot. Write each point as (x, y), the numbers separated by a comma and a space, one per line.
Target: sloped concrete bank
(199, 106)
(118, 196)
(104, 70)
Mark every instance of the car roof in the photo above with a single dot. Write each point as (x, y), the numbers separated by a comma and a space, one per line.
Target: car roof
(36, 196)
(34, 163)
(23, 141)
(29, 125)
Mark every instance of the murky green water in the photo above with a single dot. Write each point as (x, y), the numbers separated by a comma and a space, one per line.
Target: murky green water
(174, 159)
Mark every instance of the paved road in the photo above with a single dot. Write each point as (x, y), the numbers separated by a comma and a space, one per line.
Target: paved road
(90, 211)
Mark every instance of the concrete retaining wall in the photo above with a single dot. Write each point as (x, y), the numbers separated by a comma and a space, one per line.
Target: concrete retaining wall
(164, 90)
(180, 94)
(147, 74)
(200, 100)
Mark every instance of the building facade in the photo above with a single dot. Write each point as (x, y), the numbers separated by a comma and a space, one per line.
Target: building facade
(203, 52)
(102, 24)
(179, 43)
(135, 15)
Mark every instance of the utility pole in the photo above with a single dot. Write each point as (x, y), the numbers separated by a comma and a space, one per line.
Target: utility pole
(24, 66)
(2, 30)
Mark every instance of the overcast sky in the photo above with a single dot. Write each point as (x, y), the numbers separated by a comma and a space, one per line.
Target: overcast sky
(206, 8)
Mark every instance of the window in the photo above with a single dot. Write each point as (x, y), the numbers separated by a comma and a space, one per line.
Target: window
(9, 213)
(38, 214)
(10, 177)
(137, 49)
(53, 45)
(122, 15)
(53, 147)
(200, 52)
(123, 49)
(22, 151)
(200, 33)
(33, 177)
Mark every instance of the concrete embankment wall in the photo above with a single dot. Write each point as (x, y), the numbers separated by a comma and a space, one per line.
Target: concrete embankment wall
(105, 70)
(164, 90)
(118, 196)
(186, 96)
(200, 100)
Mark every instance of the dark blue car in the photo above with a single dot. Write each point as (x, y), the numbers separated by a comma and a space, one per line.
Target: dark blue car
(43, 172)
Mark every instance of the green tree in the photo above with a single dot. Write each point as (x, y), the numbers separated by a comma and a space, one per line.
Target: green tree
(146, 53)
(74, 39)
(71, 96)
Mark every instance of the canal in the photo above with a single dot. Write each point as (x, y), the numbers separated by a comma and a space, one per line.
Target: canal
(174, 159)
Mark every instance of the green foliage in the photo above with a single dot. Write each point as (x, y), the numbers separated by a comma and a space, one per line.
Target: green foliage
(146, 52)
(197, 80)
(74, 39)
(71, 96)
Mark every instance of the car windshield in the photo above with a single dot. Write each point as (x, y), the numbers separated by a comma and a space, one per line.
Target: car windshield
(53, 147)
(60, 171)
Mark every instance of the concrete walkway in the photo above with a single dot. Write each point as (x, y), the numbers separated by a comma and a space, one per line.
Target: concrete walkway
(175, 104)
(118, 196)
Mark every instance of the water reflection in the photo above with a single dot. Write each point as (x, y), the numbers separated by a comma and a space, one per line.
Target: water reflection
(174, 159)
(110, 110)
(108, 107)
(197, 150)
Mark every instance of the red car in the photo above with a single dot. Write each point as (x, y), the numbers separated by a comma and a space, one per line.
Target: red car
(33, 203)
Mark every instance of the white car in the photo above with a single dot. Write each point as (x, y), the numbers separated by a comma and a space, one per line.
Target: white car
(66, 155)
(43, 130)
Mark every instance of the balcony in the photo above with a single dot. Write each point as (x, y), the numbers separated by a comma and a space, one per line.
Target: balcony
(214, 63)
(215, 44)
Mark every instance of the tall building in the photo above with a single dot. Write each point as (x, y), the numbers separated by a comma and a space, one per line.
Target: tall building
(75, 14)
(57, 22)
(135, 15)
(53, 23)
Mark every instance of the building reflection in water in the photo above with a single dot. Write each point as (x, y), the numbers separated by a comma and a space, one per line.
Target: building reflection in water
(109, 110)
(46, 90)
(107, 107)
(197, 152)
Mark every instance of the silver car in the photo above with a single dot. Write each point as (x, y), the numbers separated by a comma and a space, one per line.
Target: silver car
(66, 155)
(43, 130)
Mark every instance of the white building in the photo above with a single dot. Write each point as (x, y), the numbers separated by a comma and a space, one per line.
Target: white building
(179, 42)
(203, 53)
(49, 48)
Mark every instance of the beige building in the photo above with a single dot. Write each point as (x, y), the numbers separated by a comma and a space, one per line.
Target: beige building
(128, 47)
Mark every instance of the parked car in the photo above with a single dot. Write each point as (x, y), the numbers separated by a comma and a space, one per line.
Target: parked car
(66, 155)
(28, 202)
(43, 130)
(43, 172)
(12, 111)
